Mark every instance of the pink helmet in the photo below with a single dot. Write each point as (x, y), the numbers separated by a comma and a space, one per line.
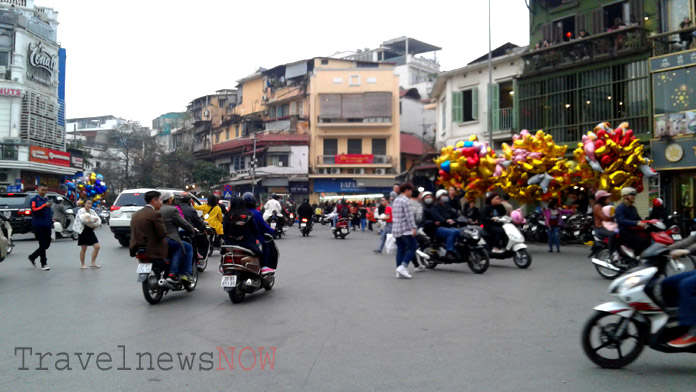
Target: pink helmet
(600, 194)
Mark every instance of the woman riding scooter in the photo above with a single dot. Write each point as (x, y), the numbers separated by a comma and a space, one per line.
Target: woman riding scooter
(494, 208)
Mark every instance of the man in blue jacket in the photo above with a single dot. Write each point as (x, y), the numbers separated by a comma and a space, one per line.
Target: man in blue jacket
(629, 221)
(41, 222)
(263, 227)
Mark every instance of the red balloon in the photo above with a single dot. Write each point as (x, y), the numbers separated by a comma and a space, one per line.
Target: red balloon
(607, 159)
(599, 143)
(639, 187)
(629, 133)
(601, 134)
(468, 151)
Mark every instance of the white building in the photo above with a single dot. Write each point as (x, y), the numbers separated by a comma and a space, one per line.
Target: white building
(93, 130)
(462, 98)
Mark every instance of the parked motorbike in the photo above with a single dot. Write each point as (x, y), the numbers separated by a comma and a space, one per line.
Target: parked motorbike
(305, 227)
(241, 271)
(534, 229)
(610, 269)
(153, 274)
(277, 223)
(577, 229)
(514, 244)
(66, 231)
(431, 251)
(618, 331)
(342, 228)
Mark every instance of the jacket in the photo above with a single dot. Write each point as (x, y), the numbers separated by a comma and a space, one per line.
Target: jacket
(85, 218)
(489, 212)
(561, 212)
(192, 217)
(173, 222)
(41, 213)
(627, 217)
(305, 211)
(148, 230)
(214, 216)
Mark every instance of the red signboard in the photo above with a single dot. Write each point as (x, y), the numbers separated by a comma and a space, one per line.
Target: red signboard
(46, 155)
(354, 159)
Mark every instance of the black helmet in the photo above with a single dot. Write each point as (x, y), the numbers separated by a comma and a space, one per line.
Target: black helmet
(249, 200)
(305, 200)
(274, 196)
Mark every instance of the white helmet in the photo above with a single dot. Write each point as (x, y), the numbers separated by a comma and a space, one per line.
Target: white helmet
(441, 192)
(426, 194)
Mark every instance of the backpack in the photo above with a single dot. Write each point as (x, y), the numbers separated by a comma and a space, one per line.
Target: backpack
(240, 227)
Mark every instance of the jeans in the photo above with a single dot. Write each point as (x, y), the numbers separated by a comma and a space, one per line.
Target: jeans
(449, 234)
(43, 235)
(554, 237)
(175, 256)
(406, 246)
(604, 233)
(363, 223)
(683, 287)
(334, 220)
(383, 239)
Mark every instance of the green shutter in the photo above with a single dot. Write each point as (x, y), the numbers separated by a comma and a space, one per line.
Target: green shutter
(474, 103)
(515, 105)
(494, 91)
(457, 108)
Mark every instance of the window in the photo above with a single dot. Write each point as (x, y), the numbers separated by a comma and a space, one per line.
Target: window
(677, 10)
(330, 146)
(373, 107)
(354, 146)
(354, 80)
(465, 105)
(5, 59)
(443, 112)
(236, 130)
(217, 137)
(324, 62)
(379, 146)
(277, 160)
(227, 134)
(296, 108)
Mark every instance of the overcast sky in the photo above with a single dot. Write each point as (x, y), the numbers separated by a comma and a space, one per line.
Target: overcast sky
(138, 59)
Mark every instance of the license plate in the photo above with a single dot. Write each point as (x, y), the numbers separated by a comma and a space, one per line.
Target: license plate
(344, 230)
(576, 233)
(229, 281)
(273, 225)
(677, 237)
(144, 268)
(303, 225)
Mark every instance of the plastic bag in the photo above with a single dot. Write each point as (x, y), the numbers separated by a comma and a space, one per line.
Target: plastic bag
(390, 244)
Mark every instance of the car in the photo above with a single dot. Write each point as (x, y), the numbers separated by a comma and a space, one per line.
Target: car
(17, 207)
(127, 203)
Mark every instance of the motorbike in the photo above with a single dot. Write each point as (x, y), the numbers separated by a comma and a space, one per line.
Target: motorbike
(153, 273)
(514, 244)
(201, 248)
(577, 229)
(213, 239)
(534, 229)
(617, 332)
(432, 252)
(277, 223)
(6, 244)
(324, 219)
(305, 227)
(610, 269)
(241, 271)
(104, 215)
(66, 231)
(342, 228)
(291, 219)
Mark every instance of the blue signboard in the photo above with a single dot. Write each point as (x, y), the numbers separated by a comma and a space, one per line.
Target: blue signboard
(344, 185)
(301, 187)
(14, 188)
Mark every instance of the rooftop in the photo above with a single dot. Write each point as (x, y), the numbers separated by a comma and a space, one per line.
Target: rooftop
(414, 46)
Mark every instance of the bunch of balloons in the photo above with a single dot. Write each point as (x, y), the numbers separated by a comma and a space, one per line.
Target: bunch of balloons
(470, 165)
(90, 187)
(535, 168)
(611, 159)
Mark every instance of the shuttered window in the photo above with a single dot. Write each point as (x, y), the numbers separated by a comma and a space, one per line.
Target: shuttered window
(354, 146)
(352, 106)
(377, 105)
(330, 106)
(457, 114)
(465, 105)
(367, 107)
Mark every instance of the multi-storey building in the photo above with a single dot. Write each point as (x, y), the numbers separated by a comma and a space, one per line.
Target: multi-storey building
(207, 116)
(32, 132)
(168, 129)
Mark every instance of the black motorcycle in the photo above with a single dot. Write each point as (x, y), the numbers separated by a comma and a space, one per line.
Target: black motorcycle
(153, 274)
(305, 226)
(277, 223)
(577, 229)
(534, 228)
(431, 251)
(241, 270)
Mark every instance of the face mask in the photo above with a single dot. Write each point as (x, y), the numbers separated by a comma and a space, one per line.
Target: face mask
(444, 199)
(428, 201)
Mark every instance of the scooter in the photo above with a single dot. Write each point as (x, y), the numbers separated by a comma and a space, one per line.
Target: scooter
(67, 230)
(341, 229)
(153, 273)
(618, 331)
(6, 243)
(610, 269)
(305, 227)
(241, 271)
(213, 241)
(291, 219)
(431, 252)
(514, 244)
(534, 229)
(277, 223)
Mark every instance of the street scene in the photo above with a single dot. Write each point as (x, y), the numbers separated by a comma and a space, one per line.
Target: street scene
(485, 196)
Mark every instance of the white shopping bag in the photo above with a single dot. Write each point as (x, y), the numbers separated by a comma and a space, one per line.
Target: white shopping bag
(390, 244)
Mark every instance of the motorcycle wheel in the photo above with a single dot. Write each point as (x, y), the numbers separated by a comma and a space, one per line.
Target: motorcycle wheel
(192, 286)
(479, 262)
(152, 296)
(237, 295)
(522, 259)
(599, 334)
(269, 286)
(75, 236)
(125, 242)
(605, 273)
(9, 248)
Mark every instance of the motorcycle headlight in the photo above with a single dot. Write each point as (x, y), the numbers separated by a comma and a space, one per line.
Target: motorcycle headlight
(633, 280)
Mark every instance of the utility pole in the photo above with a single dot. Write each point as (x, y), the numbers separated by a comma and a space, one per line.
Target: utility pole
(490, 81)
(253, 167)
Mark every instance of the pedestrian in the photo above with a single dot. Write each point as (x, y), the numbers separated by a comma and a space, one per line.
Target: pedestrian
(370, 215)
(417, 210)
(387, 217)
(554, 222)
(404, 230)
(41, 222)
(362, 213)
(86, 220)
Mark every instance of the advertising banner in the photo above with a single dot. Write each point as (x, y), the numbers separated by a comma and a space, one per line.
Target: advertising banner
(47, 155)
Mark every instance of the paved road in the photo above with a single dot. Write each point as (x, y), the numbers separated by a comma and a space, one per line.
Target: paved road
(337, 318)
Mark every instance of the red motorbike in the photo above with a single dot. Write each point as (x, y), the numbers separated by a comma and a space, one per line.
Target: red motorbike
(341, 230)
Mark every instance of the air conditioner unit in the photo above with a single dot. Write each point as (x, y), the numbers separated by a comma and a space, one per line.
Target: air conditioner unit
(379, 171)
(280, 163)
(358, 171)
(322, 170)
(265, 98)
(335, 170)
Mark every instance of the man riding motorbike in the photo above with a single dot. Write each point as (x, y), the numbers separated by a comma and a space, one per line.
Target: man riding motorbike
(148, 230)
(494, 209)
(630, 223)
(440, 219)
(173, 222)
(59, 213)
(262, 228)
(271, 206)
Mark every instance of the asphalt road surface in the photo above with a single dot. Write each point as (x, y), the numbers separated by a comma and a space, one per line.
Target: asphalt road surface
(337, 319)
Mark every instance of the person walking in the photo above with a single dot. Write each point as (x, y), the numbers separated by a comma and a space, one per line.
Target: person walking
(387, 214)
(41, 222)
(404, 230)
(417, 210)
(554, 222)
(362, 213)
(86, 220)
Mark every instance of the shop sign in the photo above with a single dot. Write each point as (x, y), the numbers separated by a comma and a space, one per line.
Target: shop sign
(10, 92)
(41, 64)
(347, 185)
(77, 162)
(675, 154)
(676, 60)
(354, 159)
(49, 156)
(299, 187)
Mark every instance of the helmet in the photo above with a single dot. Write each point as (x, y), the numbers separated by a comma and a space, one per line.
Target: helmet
(249, 199)
(600, 194)
(441, 192)
(629, 191)
(426, 194)
(274, 196)
(166, 195)
(305, 200)
(657, 202)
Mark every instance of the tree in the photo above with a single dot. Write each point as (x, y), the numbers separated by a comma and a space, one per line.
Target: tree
(207, 173)
(128, 139)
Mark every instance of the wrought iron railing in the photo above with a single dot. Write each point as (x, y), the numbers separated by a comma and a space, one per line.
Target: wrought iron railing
(672, 41)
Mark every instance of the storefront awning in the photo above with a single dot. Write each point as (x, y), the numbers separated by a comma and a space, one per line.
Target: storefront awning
(269, 181)
(39, 167)
(245, 182)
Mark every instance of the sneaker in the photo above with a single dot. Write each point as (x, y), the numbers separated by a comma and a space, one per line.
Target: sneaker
(187, 277)
(616, 256)
(33, 263)
(550, 250)
(420, 268)
(683, 341)
(497, 250)
(398, 276)
(558, 251)
(266, 270)
(379, 252)
(46, 268)
(403, 271)
(172, 279)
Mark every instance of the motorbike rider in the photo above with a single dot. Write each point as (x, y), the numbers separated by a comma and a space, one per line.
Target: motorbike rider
(472, 212)
(305, 211)
(59, 213)
(493, 210)
(658, 211)
(628, 219)
(271, 206)
(148, 230)
(214, 211)
(440, 219)
(262, 228)
(683, 287)
(173, 221)
(601, 200)
(190, 213)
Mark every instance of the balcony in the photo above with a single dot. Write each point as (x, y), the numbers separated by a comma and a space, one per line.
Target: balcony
(290, 123)
(377, 161)
(201, 146)
(9, 152)
(671, 42)
(584, 51)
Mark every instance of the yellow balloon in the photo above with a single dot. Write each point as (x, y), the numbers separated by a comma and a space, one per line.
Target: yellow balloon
(459, 144)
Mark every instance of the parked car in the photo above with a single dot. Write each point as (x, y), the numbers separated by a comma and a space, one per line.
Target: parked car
(126, 204)
(17, 208)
